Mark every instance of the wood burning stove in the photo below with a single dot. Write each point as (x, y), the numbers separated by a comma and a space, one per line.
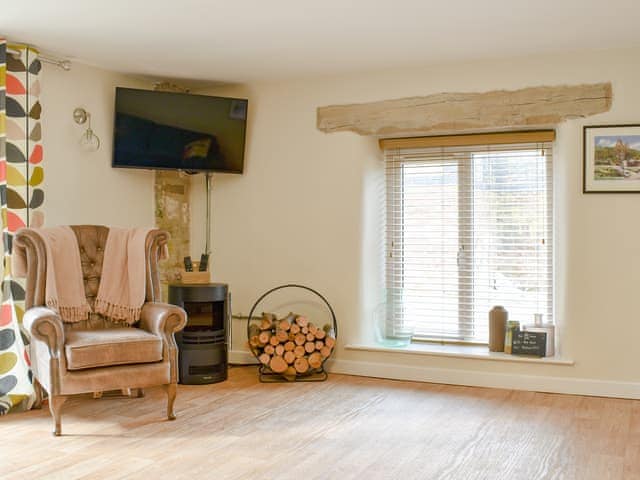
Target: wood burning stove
(202, 344)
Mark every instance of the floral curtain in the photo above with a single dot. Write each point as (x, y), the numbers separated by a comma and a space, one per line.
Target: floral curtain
(21, 199)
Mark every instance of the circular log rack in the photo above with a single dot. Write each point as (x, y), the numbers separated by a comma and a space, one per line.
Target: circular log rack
(266, 374)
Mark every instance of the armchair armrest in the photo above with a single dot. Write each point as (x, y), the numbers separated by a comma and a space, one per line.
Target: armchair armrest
(162, 319)
(45, 325)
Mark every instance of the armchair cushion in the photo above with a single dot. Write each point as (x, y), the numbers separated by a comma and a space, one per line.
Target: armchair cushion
(111, 346)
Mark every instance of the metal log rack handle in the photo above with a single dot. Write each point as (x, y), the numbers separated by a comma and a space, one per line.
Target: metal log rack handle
(266, 375)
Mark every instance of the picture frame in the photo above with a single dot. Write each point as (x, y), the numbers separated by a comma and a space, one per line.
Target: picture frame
(611, 159)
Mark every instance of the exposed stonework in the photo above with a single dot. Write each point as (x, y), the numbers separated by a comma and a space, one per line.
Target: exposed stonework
(172, 213)
(446, 113)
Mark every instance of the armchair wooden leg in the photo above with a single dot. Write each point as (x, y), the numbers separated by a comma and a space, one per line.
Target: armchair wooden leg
(139, 392)
(55, 406)
(39, 394)
(171, 389)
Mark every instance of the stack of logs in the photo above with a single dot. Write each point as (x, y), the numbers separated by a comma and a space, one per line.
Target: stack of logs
(291, 346)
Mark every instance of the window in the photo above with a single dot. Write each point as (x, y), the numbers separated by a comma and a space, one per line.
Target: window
(469, 227)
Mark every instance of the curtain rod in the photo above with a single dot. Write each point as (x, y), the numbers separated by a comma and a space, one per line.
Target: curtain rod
(43, 57)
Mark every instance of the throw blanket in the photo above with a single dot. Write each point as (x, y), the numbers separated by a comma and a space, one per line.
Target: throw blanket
(123, 283)
(122, 288)
(64, 288)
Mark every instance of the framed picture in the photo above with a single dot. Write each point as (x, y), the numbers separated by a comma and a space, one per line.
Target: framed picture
(611, 159)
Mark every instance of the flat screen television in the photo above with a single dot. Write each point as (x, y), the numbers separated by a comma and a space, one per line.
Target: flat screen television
(166, 130)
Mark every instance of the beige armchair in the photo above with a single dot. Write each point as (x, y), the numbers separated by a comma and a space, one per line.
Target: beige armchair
(96, 354)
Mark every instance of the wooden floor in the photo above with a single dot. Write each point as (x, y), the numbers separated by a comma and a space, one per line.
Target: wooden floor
(345, 428)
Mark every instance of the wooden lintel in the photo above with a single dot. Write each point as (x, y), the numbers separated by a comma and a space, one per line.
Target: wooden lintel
(450, 113)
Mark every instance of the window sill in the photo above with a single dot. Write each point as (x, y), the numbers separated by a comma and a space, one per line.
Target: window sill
(480, 352)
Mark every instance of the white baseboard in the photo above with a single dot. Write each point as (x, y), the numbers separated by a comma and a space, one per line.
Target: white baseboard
(472, 378)
(567, 385)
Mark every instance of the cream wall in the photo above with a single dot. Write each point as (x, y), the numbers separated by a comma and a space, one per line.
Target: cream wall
(82, 187)
(306, 210)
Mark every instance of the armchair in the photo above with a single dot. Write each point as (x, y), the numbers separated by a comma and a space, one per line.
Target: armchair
(97, 354)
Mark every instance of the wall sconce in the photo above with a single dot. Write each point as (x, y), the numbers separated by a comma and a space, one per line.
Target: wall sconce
(89, 141)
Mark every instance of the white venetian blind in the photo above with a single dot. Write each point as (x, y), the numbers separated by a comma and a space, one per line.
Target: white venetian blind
(468, 227)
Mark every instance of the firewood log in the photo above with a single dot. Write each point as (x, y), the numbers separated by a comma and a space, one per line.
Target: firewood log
(315, 360)
(312, 328)
(327, 328)
(291, 317)
(295, 328)
(330, 341)
(289, 346)
(284, 324)
(320, 334)
(270, 349)
(265, 325)
(277, 364)
(311, 337)
(254, 342)
(325, 352)
(279, 350)
(300, 339)
(302, 321)
(299, 351)
(289, 357)
(264, 358)
(309, 347)
(264, 337)
(282, 336)
(304, 330)
(290, 374)
(330, 332)
(267, 321)
(254, 330)
(319, 344)
(274, 340)
(301, 365)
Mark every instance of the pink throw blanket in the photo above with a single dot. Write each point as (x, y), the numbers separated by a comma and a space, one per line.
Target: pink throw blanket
(122, 288)
(64, 288)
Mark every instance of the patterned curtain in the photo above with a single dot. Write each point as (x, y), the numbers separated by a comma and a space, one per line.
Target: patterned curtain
(21, 197)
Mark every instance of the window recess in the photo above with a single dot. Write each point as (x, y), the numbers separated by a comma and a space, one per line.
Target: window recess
(469, 225)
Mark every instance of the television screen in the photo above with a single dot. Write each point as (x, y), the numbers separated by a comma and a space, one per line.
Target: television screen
(179, 131)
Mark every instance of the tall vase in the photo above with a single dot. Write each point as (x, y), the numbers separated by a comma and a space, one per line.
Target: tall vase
(498, 317)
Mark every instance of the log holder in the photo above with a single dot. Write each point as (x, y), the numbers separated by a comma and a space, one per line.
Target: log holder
(265, 374)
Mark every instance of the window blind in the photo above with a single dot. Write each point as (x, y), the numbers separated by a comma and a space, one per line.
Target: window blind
(468, 227)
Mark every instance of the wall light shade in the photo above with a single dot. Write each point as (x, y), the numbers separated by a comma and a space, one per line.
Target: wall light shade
(89, 141)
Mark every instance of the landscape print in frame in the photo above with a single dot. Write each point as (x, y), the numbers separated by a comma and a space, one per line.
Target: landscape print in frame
(611, 159)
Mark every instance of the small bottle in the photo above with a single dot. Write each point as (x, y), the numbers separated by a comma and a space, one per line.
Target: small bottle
(513, 326)
(537, 319)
